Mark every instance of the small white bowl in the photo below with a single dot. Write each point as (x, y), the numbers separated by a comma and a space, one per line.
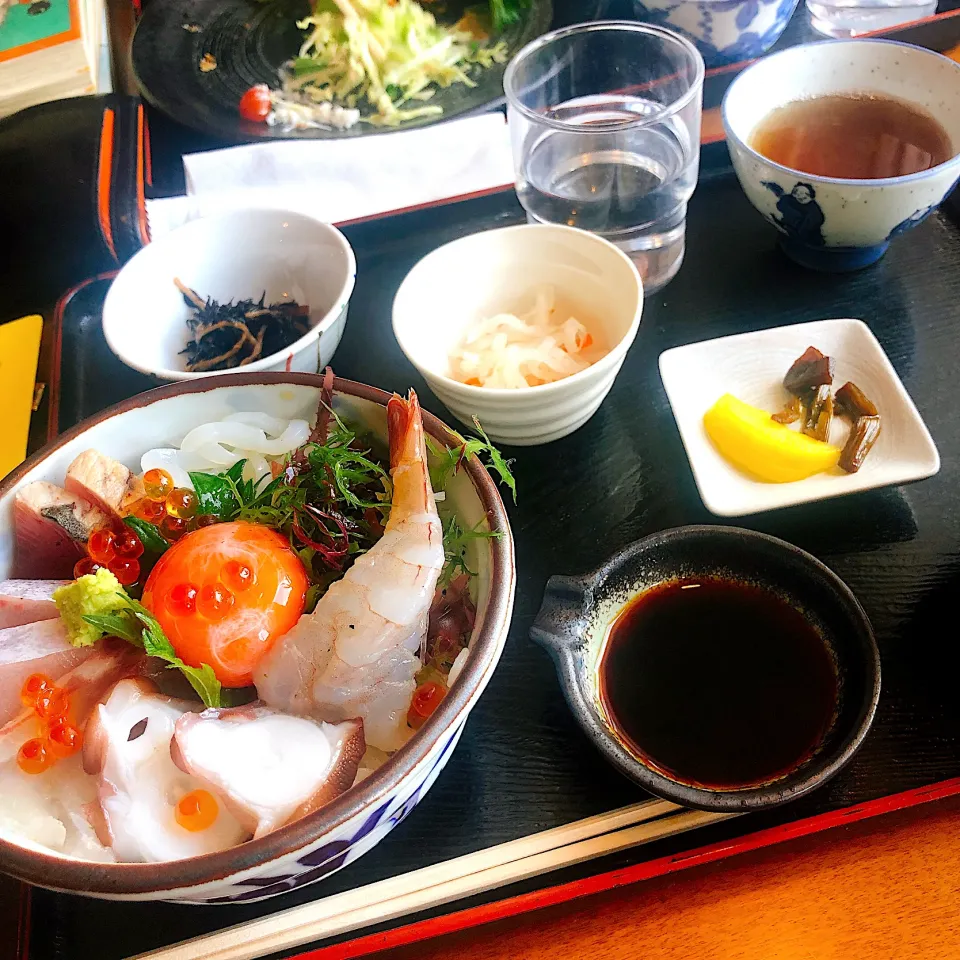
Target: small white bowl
(495, 271)
(238, 255)
(829, 223)
(751, 366)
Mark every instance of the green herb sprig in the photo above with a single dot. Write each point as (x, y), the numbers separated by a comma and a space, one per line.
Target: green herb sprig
(456, 542)
(136, 624)
(447, 460)
(505, 12)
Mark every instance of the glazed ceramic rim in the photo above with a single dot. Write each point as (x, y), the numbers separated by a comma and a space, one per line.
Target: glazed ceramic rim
(763, 796)
(315, 332)
(608, 26)
(610, 361)
(493, 620)
(839, 181)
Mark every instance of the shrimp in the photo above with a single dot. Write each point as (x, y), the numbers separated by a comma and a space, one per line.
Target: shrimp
(356, 654)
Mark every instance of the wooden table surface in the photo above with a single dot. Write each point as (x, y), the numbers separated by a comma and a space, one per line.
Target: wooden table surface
(882, 889)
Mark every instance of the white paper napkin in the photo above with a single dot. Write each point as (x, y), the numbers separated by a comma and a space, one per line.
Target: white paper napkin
(338, 180)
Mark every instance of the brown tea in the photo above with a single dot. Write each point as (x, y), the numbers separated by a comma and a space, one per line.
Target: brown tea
(856, 137)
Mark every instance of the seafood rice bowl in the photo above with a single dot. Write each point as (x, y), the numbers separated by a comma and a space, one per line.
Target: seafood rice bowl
(242, 623)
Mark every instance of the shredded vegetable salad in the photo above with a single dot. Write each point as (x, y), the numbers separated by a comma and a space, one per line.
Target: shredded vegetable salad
(377, 61)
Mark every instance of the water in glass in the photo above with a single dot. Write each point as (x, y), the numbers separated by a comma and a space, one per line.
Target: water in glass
(629, 183)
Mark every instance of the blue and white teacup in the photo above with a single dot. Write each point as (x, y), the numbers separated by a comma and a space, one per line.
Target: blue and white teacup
(828, 223)
(724, 31)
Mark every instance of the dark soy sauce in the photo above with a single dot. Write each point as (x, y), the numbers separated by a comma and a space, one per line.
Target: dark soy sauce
(717, 683)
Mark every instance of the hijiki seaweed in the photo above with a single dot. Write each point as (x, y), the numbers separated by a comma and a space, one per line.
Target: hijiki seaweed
(228, 335)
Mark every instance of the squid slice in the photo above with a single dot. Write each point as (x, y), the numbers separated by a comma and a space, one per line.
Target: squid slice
(127, 745)
(270, 767)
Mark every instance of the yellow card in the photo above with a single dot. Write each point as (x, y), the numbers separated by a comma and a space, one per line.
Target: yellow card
(19, 352)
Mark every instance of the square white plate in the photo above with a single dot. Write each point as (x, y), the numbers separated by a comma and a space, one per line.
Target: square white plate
(751, 366)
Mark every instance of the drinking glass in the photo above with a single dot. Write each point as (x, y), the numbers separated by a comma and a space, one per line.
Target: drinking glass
(605, 126)
(848, 18)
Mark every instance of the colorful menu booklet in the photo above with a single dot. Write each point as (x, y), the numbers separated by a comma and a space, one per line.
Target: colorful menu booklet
(49, 49)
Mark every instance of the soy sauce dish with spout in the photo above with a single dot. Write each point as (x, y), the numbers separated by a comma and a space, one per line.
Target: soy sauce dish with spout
(718, 668)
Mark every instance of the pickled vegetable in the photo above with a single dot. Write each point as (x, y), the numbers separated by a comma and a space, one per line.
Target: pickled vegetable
(809, 371)
(749, 439)
(820, 415)
(795, 410)
(860, 442)
(852, 402)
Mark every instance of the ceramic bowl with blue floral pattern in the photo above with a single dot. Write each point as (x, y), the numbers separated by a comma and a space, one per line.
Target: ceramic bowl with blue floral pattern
(724, 31)
(309, 849)
(829, 223)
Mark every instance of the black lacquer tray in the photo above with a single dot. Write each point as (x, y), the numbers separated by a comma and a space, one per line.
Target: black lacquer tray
(523, 765)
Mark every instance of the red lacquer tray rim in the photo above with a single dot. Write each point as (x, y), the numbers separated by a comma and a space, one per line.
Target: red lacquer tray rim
(502, 909)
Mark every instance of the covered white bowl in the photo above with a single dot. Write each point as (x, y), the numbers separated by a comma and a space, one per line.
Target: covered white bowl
(829, 223)
(323, 842)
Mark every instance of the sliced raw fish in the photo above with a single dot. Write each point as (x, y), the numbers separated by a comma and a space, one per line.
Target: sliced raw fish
(40, 647)
(101, 667)
(127, 746)
(49, 808)
(271, 768)
(52, 528)
(101, 480)
(27, 601)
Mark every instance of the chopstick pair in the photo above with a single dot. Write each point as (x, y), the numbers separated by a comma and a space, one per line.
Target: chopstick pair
(433, 886)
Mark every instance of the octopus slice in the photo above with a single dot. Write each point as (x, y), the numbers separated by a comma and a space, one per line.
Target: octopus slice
(127, 746)
(271, 768)
(27, 601)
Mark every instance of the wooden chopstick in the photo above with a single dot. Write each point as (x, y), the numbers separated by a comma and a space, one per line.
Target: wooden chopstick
(442, 883)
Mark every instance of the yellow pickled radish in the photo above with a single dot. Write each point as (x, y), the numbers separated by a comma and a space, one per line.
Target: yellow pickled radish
(757, 444)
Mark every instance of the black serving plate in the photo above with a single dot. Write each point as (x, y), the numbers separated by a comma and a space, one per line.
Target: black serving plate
(250, 40)
(523, 764)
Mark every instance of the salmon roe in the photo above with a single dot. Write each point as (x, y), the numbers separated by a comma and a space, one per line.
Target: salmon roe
(34, 757)
(173, 528)
(152, 511)
(35, 685)
(126, 571)
(425, 700)
(197, 810)
(182, 599)
(182, 503)
(100, 546)
(157, 484)
(84, 566)
(59, 737)
(214, 601)
(52, 704)
(237, 576)
(127, 544)
(64, 739)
